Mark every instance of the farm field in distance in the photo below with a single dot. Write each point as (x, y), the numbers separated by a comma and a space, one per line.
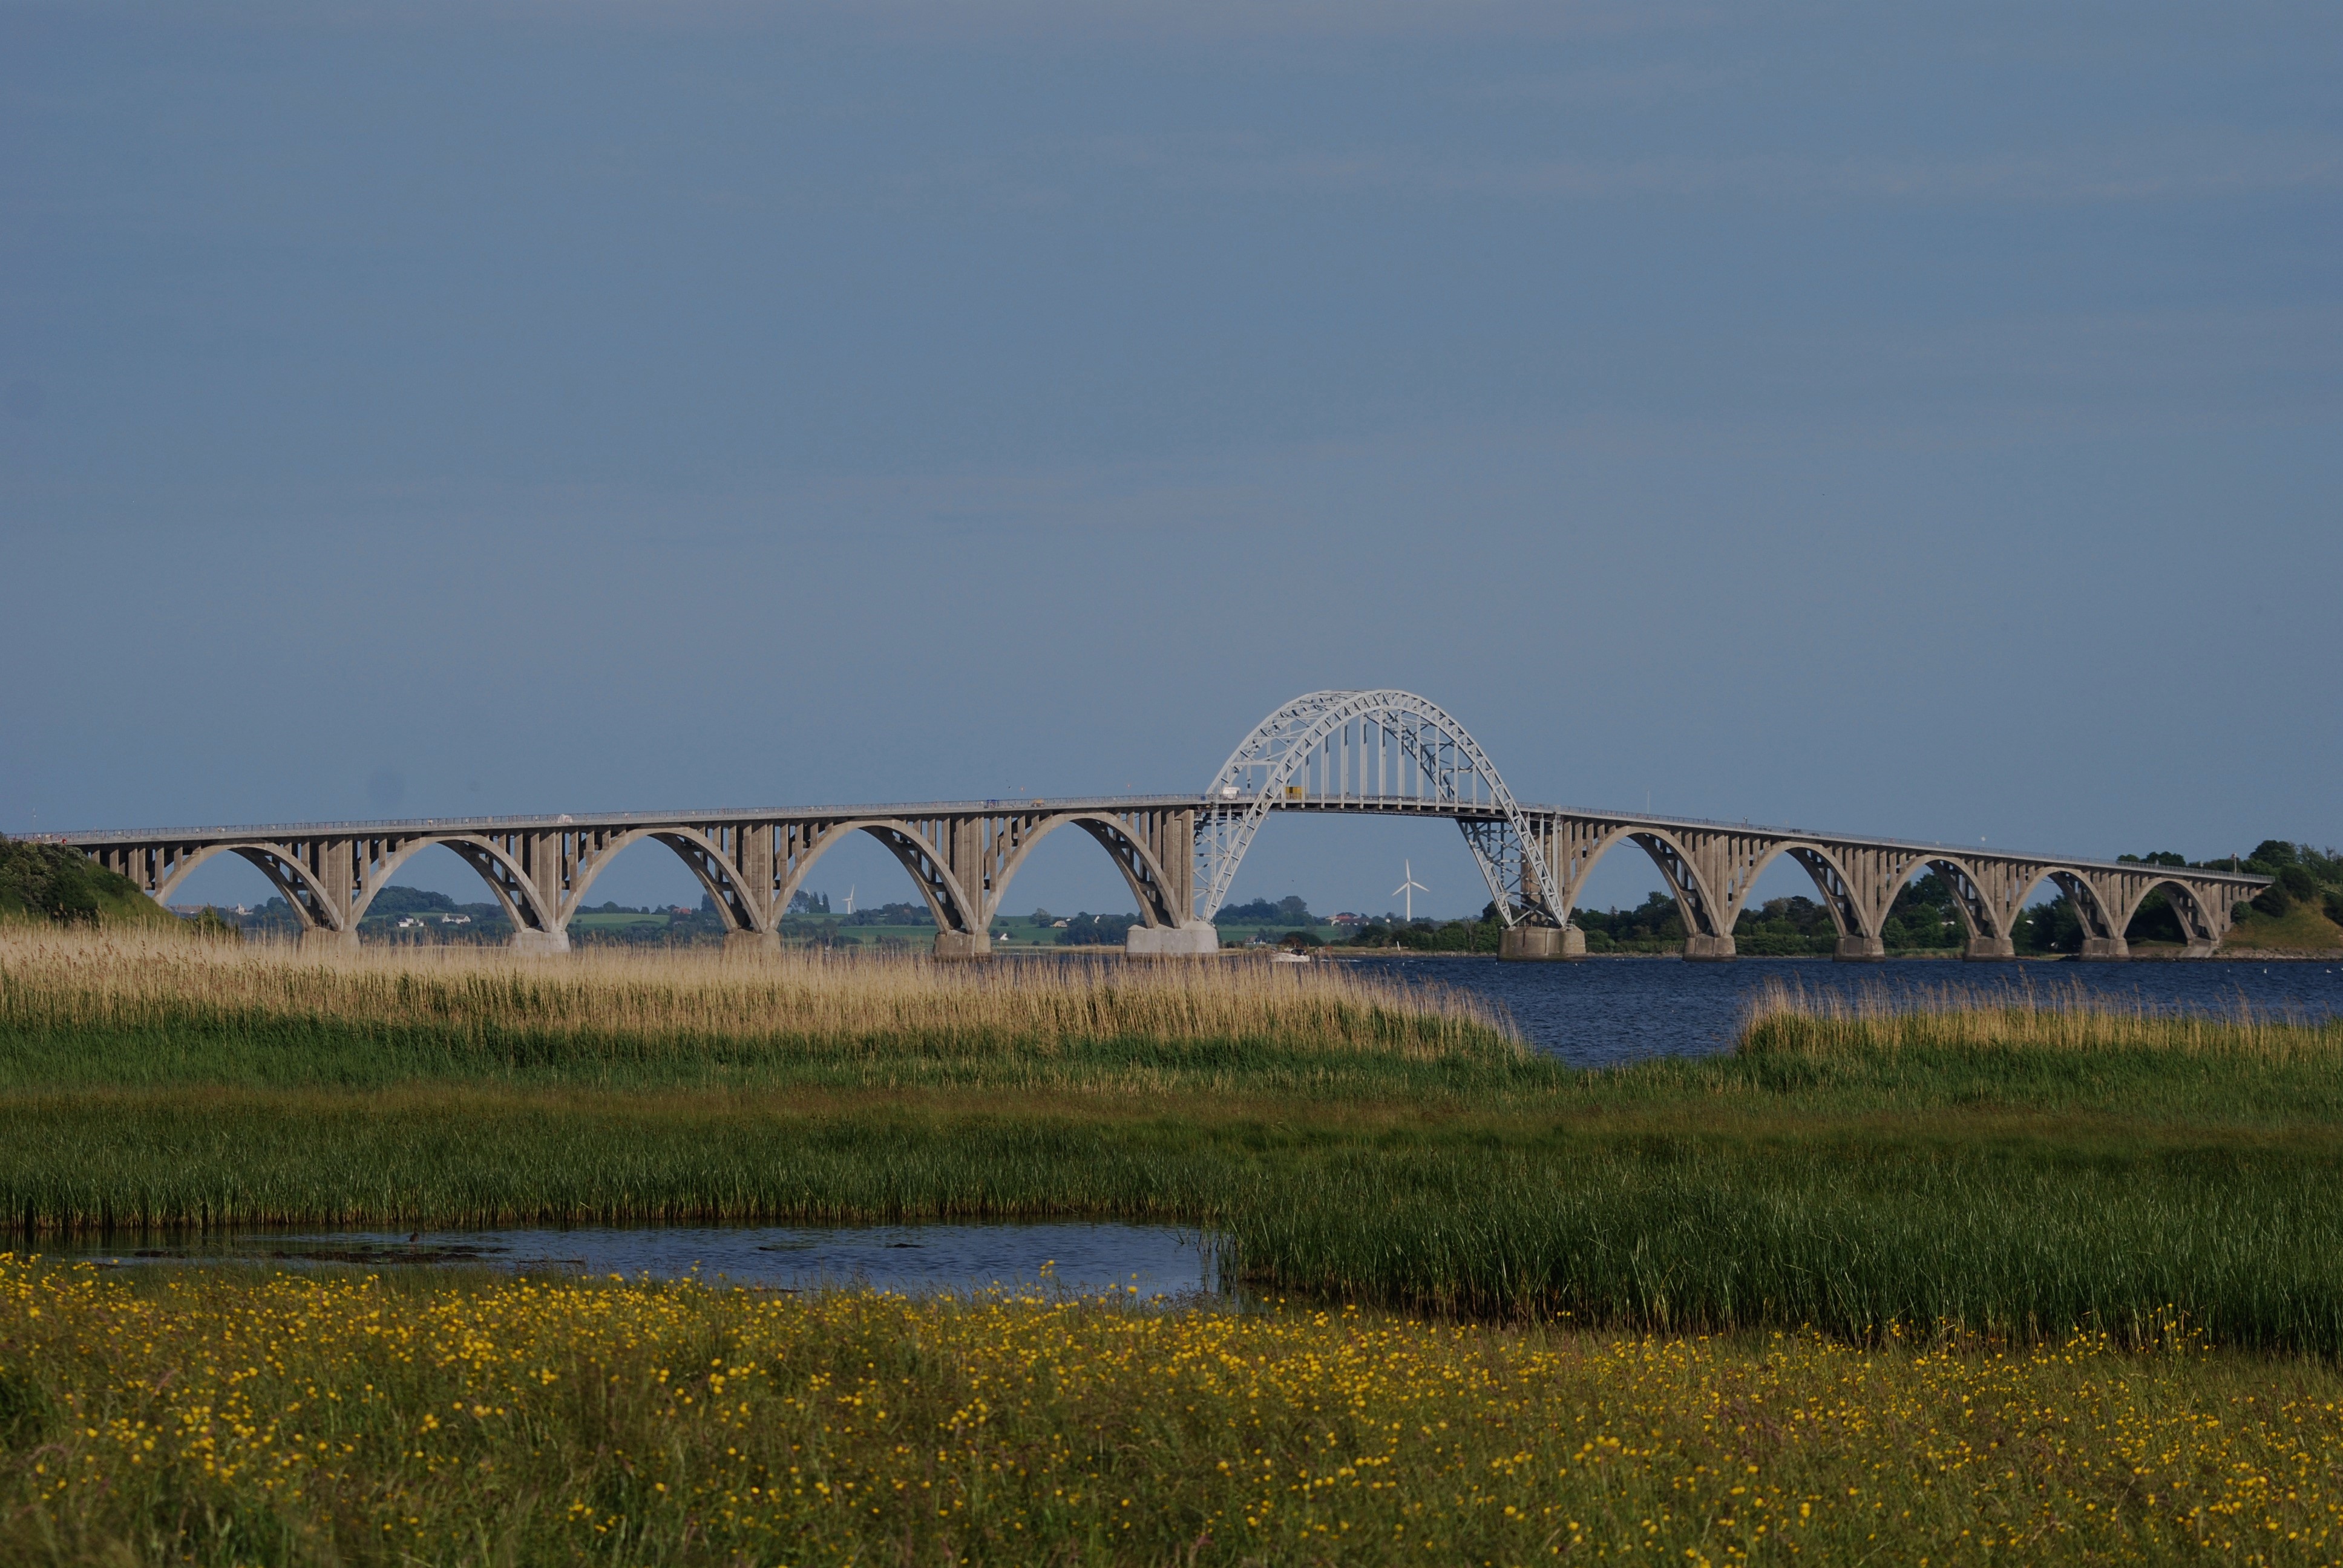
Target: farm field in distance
(1969, 1263)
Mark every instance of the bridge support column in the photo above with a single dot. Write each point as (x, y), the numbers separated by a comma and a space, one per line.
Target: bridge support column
(1860, 949)
(318, 941)
(2106, 949)
(1190, 942)
(963, 945)
(2200, 950)
(751, 944)
(1990, 949)
(1530, 944)
(539, 944)
(1707, 950)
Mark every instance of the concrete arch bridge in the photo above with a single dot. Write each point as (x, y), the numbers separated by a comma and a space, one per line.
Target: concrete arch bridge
(1375, 753)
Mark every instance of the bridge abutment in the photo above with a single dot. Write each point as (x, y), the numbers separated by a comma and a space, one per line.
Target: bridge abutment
(1534, 944)
(1708, 950)
(1860, 949)
(1189, 941)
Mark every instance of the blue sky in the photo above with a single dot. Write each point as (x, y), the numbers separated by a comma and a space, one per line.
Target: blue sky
(1917, 420)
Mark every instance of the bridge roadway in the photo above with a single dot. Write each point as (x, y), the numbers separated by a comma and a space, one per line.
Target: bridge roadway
(1374, 753)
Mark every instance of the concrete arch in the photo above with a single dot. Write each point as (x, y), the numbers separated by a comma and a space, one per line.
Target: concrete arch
(2198, 925)
(1150, 884)
(955, 913)
(2099, 922)
(492, 862)
(297, 883)
(733, 897)
(1831, 877)
(1696, 903)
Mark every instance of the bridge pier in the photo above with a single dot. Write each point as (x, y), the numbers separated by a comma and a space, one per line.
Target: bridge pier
(539, 944)
(2106, 949)
(1534, 944)
(751, 944)
(1707, 950)
(1196, 941)
(1991, 949)
(1860, 949)
(321, 940)
(963, 945)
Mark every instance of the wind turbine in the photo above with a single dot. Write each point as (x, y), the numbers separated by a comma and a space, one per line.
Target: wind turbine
(1408, 890)
(850, 898)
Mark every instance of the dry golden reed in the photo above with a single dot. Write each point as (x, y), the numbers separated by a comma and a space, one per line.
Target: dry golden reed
(1785, 1017)
(63, 980)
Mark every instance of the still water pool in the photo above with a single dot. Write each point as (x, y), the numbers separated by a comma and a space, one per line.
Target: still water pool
(1081, 1257)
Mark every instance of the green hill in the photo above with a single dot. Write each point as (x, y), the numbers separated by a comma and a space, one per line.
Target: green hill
(2300, 929)
(2300, 910)
(48, 882)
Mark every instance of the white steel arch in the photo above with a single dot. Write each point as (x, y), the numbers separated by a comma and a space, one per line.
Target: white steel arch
(1372, 752)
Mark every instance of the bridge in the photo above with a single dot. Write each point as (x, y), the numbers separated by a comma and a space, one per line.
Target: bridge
(1370, 753)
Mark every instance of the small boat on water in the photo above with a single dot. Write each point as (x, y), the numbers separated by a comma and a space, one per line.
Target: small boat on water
(1283, 957)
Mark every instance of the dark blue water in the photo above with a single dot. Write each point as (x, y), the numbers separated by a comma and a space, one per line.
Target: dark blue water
(1604, 1012)
(1083, 1258)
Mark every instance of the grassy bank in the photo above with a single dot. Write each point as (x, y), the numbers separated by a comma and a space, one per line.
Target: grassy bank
(2016, 1164)
(225, 1419)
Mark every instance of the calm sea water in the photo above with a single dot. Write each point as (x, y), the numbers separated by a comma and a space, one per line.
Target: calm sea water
(1605, 1012)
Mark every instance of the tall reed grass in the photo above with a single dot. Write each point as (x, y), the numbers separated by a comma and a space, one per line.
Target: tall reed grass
(1785, 1017)
(460, 1006)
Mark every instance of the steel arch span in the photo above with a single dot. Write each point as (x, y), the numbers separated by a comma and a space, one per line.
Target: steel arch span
(1374, 751)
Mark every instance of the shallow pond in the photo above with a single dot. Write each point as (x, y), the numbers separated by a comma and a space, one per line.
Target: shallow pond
(1083, 1256)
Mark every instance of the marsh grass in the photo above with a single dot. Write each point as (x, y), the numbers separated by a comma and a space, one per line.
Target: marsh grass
(2009, 1162)
(132, 1009)
(2012, 1020)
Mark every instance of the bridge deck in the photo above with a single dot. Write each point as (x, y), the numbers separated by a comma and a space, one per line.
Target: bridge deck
(913, 811)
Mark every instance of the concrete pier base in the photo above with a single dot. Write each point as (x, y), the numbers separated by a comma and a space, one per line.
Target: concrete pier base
(963, 945)
(751, 944)
(2199, 951)
(1860, 951)
(2106, 949)
(318, 941)
(543, 944)
(1191, 941)
(1990, 949)
(1541, 944)
(1707, 950)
